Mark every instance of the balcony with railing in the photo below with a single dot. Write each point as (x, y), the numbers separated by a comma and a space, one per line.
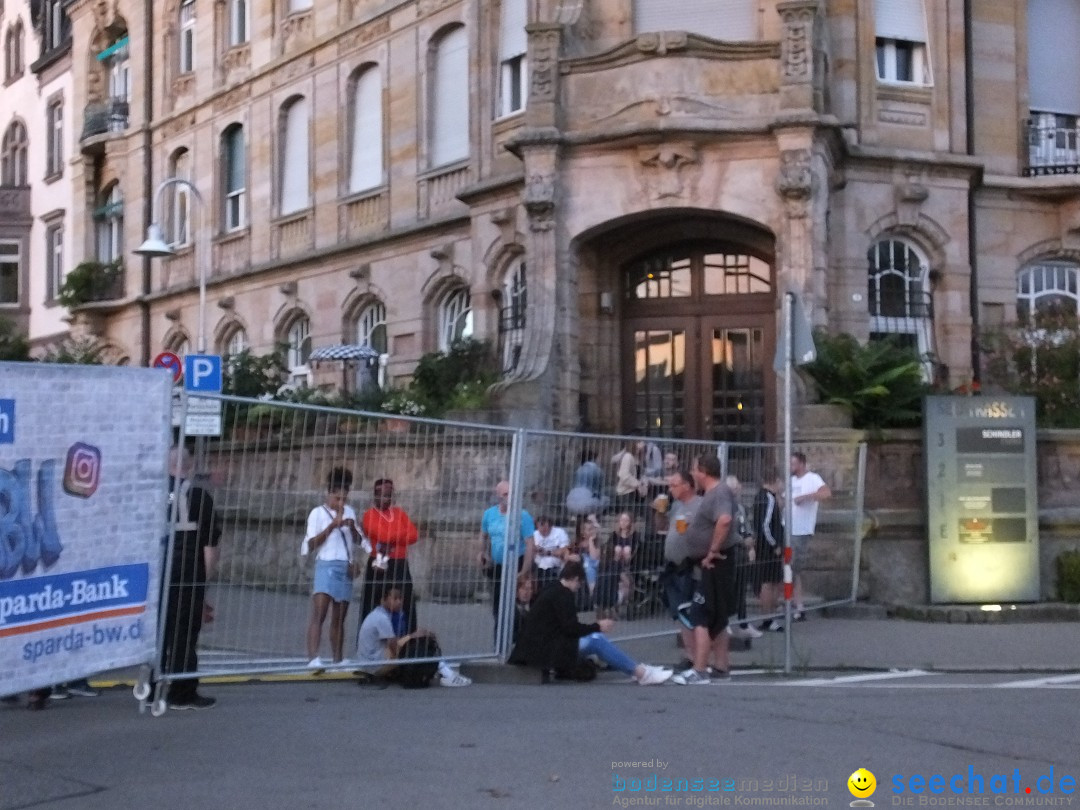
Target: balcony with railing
(1052, 144)
(105, 117)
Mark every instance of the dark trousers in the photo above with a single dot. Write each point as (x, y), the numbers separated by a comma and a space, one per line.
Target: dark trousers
(376, 583)
(743, 574)
(495, 573)
(183, 621)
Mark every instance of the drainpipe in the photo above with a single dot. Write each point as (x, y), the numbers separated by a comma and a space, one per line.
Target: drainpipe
(976, 181)
(148, 179)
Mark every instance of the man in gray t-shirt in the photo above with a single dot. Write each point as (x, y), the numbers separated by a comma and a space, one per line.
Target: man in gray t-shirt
(715, 503)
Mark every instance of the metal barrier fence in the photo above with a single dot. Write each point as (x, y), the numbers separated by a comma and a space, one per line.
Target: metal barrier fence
(269, 470)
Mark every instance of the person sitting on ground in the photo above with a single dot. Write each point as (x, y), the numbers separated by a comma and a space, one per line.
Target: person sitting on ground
(554, 640)
(376, 642)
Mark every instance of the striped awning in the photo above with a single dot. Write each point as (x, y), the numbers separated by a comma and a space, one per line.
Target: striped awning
(344, 351)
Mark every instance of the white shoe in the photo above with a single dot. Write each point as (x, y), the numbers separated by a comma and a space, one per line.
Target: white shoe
(654, 675)
(316, 663)
(737, 632)
(751, 632)
(457, 679)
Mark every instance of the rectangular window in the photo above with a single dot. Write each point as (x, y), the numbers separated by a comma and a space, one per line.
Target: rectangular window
(10, 272)
(187, 36)
(513, 87)
(900, 29)
(54, 158)
(54, 25)
(54, 260)
(513, 42)
(238, 22)
(1053, 29)
(235, 185)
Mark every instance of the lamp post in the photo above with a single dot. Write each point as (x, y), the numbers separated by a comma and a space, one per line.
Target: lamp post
(155, 247)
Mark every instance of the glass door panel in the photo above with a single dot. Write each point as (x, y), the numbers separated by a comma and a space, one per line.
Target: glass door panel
(659, 386)
(738, 363)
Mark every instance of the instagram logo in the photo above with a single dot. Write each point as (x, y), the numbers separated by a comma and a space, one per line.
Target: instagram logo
(83, 470)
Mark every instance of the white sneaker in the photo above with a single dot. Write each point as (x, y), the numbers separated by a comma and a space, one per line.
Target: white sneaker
(735, 631)
(751, 632)
(316, 663)
(457, 679)
(654, 675)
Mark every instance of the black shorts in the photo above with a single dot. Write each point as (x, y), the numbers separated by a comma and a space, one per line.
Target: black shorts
(714, 597)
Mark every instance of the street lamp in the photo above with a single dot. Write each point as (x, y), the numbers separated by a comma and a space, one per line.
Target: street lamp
(155, 247)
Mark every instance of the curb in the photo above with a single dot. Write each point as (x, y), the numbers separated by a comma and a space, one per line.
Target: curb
(1044, 612)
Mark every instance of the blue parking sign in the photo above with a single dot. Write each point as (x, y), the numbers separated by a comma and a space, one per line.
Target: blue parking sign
(202, 373)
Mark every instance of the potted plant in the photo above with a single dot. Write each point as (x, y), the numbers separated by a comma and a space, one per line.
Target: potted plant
(91, 281)
(405, 403)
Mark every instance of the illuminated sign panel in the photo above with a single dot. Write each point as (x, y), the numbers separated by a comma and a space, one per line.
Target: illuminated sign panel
(982, 507)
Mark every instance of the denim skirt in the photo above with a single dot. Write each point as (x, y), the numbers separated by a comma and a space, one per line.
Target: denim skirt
(332, 578)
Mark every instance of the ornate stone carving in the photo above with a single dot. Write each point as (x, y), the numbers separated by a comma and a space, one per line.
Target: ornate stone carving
(544, 57)
(662, 168)
(539, 201)
(364, 35)
(237, 57)
(909, 196)
(183, 84)
(795, 181)
(228, 100)
(912, 119)
(179, 124)
(797, 42)
(293, 69)
(295, 29)
(660, 43)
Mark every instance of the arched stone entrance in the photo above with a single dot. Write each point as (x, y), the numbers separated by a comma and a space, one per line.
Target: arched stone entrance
(684, 328)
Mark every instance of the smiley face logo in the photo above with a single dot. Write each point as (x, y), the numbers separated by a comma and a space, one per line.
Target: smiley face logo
(862, 784)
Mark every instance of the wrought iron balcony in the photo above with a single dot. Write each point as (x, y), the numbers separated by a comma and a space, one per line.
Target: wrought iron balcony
(1052, 143)
(106, 116)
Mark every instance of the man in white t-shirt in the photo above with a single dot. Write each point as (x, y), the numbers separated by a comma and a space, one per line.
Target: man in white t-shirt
(807, 490)
(551, 546)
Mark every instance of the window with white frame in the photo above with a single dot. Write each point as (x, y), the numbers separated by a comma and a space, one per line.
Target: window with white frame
(187, 36)
(298, 339)
(57, 27)
(238, 22)
(730, 20)
(109, 219)
(455, 318)
(449, 98)
(513, 67)
(13, 51)
(13, 151)
(295, 173)
(10, 272)
(179, 212)
(900, 43)
(234, 175)
(117, 58)
(54, 145)
(234, 344)
(54, 260)
(366, 168)
(1047, 286)
(514, 301)
(900, 302)
(178, 344)
(371, 327)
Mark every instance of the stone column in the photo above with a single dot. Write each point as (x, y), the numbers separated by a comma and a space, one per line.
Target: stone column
(801, 82)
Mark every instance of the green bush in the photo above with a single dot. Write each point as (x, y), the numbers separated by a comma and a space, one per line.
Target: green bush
(89, 281)
(458, 378)
(78, 352)
(879, 383)
(1068, 576)
(13, 345)
(250, 375)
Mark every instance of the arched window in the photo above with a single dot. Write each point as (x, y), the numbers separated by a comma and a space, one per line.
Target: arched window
(366, 158)
(109, 222)
(513, 303)
(234, 175)
(294, 171)
(448, 101)
(513, 69)
(900, 302)
(234, 341)
(187, 36)
(180, 201)
(371, 327)
(13, 156)
(298, 340)
(1047, 286)
(238, 22)
(178, 344)
(13, 51)
(455, 318)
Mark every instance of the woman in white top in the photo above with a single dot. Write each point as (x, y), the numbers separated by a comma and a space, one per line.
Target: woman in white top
(332, 535)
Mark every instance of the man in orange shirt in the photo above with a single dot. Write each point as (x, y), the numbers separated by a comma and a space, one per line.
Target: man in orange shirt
(390, 531)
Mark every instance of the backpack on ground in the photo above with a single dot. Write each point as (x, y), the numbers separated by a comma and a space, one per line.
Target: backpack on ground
(418, 676)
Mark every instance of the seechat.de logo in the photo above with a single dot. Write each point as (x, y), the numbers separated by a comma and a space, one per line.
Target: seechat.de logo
(82, 473)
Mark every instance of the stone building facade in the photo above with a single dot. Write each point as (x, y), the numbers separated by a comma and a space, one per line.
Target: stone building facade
(616, 205)
(36, 150)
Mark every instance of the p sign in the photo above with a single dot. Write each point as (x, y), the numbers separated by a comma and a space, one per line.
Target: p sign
(202, 373)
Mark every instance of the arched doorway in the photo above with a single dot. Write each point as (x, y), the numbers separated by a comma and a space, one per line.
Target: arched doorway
(698, 337)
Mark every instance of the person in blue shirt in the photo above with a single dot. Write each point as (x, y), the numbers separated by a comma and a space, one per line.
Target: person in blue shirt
(493, 542)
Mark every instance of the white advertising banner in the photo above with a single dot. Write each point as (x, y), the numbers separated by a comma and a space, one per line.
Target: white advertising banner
(83, 511)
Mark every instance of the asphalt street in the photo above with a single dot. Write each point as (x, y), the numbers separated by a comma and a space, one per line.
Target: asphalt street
(759, 739)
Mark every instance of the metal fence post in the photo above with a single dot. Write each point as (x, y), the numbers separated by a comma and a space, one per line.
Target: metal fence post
(504, 632)
(860, 497)
(722, 452)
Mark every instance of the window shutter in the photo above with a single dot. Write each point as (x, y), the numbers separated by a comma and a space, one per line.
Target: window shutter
(512, 37)
(729, 20)
(900, 19)
(366, 170)
(450, 105)
(1053, 58)
(295, 194)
